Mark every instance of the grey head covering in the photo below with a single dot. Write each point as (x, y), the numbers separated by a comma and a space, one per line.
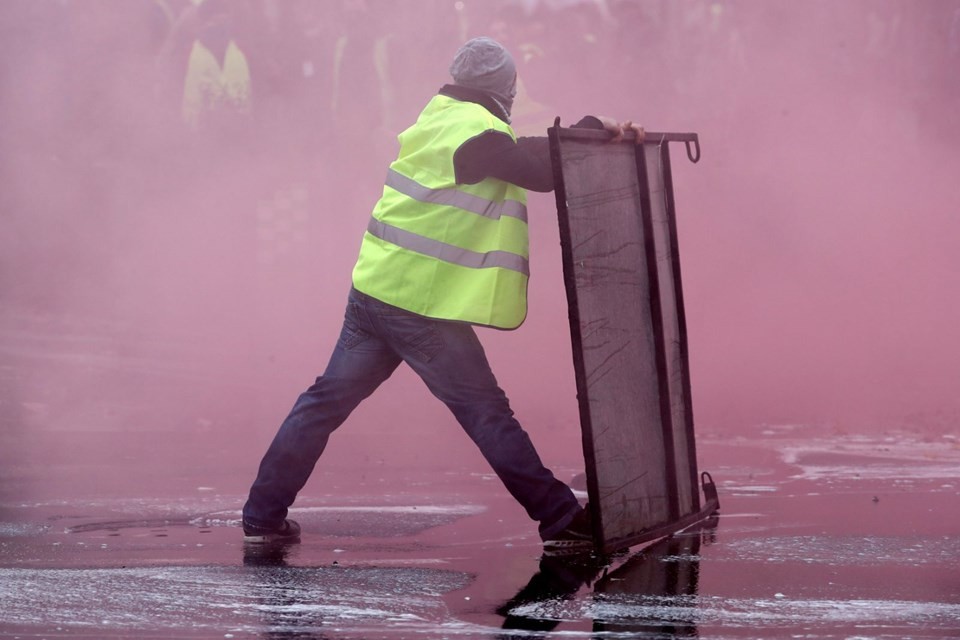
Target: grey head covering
(483, 63)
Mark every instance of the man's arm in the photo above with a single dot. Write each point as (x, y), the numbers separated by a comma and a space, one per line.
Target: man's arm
(494, 154)
(525, 163)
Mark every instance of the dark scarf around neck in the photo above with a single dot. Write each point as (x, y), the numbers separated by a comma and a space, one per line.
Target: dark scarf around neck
(492, 102)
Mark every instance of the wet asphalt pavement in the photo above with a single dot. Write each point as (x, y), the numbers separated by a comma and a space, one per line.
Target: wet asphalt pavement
(820, 535)
(109, 529)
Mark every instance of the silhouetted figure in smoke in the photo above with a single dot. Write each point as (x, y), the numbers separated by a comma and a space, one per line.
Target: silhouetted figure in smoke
(445, 249)
(215, 170)
(217, 91)
(362, 87)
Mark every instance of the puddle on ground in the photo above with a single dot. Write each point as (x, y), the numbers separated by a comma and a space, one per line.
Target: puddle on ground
(216, 601)
(819, 536)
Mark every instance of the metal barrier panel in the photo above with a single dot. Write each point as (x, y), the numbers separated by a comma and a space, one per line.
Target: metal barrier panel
(655, 166)
(621, 269)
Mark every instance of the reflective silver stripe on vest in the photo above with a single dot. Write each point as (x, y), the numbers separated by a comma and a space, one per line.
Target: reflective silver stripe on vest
(447, 252)
(455, 198)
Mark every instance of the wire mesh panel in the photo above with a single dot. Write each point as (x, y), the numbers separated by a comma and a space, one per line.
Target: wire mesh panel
(621, 268)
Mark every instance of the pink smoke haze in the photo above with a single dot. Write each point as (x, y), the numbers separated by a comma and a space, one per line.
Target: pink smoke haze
(156, 278)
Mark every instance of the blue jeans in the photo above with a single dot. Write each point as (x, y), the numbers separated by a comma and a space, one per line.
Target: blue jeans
(375, 339)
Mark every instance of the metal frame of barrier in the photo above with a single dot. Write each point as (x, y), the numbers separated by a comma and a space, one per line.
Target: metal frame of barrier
(621, 268)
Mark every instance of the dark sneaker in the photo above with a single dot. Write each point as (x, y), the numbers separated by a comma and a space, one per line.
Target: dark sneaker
(289, 531)
(576, 538)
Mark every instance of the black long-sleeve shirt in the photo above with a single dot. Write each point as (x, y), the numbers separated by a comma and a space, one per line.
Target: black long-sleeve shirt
(494, 154)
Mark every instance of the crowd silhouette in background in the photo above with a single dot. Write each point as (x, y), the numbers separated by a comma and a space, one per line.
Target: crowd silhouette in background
(111, 104)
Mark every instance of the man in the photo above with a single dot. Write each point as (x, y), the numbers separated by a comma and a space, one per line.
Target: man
(445, 249)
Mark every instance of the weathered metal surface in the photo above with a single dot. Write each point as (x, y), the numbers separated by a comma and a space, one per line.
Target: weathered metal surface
(621, 268)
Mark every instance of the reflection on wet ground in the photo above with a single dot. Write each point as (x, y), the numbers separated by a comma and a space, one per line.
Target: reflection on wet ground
(820, 535)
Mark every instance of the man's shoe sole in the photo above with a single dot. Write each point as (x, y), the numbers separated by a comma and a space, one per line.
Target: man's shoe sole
(568, 547)
(568, 544)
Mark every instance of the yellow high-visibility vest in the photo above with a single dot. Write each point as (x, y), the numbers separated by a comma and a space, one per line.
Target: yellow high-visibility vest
(209, 87)
(441, 249)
